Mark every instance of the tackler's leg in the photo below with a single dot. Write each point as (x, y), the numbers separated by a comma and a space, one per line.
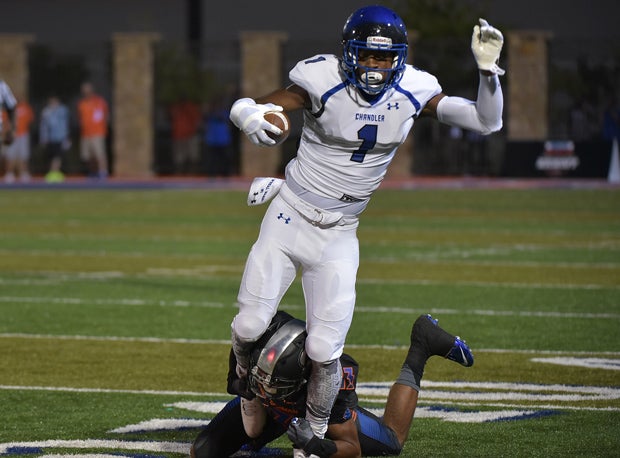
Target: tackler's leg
(427, 339)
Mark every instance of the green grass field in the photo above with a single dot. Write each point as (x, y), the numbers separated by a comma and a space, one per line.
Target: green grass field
(116, 304)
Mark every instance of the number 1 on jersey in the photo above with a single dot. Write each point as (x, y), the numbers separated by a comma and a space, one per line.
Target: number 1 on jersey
(368, 135)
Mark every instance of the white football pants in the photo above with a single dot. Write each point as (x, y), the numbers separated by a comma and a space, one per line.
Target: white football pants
(328, 259)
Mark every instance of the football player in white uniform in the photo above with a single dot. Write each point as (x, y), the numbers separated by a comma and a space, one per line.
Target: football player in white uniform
(357, 109)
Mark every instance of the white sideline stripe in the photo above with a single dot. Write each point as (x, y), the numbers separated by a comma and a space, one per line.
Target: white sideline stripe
(199, 406)
(116, 339)
(161, 424)
(19, 335)
(358, 308)
(382, 388)
(534, 313)
(529, 405)
(436, 257)
(129, 302)
(588, 286)
(533, 406)
(109, 390)
(523, 387)
(501, 392)
(10, 335)
(172, 447)
(590, 363)
(208, 274)
(81, 455)
(481, 397)
(471, 417)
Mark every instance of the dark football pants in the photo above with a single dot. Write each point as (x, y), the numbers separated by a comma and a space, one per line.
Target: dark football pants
(225, 435)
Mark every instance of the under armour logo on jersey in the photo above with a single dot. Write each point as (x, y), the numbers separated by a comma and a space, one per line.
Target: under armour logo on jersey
(391, 105)
(285, 218)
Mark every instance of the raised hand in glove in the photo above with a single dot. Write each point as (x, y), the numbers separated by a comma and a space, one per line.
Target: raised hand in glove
(486, 44)
(301, 435)
(248, 116)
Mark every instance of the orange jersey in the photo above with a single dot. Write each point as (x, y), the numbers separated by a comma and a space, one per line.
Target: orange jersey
(185, 119)
(23, 118)
(93, 112)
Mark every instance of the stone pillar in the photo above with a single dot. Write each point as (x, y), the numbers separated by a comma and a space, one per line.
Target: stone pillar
(14, 62)
(132, 104)
(402, 164)
(528, 93)
(261, 70)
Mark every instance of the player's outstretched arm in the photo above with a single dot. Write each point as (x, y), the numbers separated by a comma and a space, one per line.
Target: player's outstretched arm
(485, 114)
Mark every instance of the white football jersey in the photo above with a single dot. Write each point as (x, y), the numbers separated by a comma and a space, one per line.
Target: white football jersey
(348, 143)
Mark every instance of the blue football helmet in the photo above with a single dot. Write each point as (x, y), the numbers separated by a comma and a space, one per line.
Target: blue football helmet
(374, 28)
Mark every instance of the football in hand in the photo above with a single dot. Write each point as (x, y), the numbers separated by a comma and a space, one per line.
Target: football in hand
(280, 119)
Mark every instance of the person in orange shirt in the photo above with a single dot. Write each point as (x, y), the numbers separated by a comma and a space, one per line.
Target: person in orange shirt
(185, 119)
(17, 154)
(93, 116)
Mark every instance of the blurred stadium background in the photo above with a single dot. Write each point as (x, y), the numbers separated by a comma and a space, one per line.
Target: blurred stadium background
(198, 52)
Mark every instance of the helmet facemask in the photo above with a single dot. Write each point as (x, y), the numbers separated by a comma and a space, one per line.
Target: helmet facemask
(370, 79)
(280, 367)
(374, 30)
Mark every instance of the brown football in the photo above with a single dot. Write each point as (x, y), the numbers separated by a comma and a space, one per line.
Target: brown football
(280, 119)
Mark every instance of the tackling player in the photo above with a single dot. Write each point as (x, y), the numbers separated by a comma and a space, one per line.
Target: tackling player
(357, 110)
(278, 376)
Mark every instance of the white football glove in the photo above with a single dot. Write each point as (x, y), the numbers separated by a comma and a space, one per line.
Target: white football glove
(247, 115)
(486, 44)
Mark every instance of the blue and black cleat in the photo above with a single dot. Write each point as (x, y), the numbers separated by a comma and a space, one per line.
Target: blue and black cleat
(426, 333)
(461, 353)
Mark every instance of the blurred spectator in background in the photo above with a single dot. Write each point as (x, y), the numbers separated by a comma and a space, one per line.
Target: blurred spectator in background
(611, 120)
(17, 154)
(218, 139)
(8, 103)
(185, 118)
(580, 120)
(54, 136)
(93, 115)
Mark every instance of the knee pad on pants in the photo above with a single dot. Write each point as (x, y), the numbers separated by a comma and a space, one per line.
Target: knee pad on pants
(248, 327)
(321, 350)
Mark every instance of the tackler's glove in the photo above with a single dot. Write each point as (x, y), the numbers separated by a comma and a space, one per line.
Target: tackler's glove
(301, 435)
(235, 384)
(248, 116)
(486, 44)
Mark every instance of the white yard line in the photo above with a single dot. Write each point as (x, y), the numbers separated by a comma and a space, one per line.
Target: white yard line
(69, 389)
(212, 271)
(158, 340)
(358, 308)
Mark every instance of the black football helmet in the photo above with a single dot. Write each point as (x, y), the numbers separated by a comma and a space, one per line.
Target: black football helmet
(374, 28)
(279, 365)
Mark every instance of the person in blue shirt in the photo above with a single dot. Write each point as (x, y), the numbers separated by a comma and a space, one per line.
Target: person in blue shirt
(54, 135)
(218, 140)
